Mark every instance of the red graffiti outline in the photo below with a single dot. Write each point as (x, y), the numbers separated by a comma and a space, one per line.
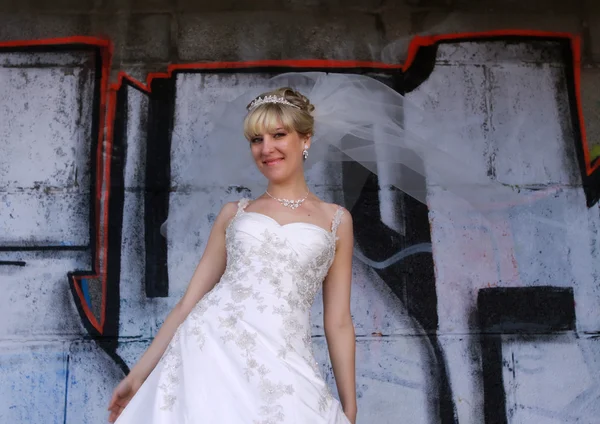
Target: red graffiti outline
(106, 51)
(108, 97)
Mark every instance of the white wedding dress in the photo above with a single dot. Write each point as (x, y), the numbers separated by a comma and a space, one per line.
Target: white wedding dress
(244, 354)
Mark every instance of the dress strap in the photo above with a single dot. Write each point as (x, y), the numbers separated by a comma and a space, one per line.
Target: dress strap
(242, 203)
(337, 218)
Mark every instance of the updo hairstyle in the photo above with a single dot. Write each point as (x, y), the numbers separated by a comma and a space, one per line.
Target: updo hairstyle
(267, 117)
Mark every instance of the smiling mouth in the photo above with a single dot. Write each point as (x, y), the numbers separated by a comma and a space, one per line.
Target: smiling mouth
(272, 162)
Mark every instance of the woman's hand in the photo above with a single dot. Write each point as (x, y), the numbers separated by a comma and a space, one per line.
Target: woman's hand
(122, 394)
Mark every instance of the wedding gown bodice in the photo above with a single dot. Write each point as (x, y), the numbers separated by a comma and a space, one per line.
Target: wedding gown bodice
(275, 269)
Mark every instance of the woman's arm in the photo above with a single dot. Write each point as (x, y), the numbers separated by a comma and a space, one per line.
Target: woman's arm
(339, 329)
(208, 272)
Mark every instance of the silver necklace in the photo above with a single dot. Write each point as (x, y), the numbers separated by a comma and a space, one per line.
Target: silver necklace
(288, 203)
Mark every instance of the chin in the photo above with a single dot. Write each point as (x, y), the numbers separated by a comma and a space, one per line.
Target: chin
(274, 175)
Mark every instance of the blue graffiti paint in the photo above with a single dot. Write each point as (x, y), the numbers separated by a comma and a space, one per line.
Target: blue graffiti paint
(85, 290)
(396, 257)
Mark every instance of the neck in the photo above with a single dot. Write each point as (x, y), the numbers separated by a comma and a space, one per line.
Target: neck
(294, 189)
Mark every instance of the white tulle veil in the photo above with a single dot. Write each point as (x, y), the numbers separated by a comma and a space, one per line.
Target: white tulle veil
(357, 119)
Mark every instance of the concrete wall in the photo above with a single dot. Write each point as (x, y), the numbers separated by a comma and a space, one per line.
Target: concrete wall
(432, 346)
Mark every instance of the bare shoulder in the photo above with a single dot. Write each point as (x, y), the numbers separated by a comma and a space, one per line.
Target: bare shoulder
(342, 224)
(331, 210)
(346, 225)
(229, 209)
(227, 213)
(334, 207)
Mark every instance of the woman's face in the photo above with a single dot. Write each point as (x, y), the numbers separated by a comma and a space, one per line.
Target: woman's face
(278, 154)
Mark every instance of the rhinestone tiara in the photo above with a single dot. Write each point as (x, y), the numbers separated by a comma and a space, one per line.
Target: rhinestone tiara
(270, 99)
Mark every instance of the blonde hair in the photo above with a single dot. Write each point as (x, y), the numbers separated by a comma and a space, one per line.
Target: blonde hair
(267, 117)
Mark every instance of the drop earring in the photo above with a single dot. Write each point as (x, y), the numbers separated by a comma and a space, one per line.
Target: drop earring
(305, 153)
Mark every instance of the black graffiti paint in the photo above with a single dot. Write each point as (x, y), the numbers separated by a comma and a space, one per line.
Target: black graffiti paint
(516, 310)
(158, 181)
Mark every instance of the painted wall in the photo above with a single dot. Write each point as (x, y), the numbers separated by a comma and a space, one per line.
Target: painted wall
(459, 317)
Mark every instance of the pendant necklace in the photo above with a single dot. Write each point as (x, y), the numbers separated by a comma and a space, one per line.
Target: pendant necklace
(288, 203)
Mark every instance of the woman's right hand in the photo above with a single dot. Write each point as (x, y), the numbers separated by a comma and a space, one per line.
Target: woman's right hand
(122, 394)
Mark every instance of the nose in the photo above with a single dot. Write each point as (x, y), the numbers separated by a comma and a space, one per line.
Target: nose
(267, 144)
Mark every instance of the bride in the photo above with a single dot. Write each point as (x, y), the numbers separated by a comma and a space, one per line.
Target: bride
(237, 349)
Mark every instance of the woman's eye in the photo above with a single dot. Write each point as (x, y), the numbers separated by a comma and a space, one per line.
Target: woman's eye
(279, 135)
(256, 140)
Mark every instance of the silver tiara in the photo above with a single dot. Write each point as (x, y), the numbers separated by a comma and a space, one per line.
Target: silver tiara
(270, 99)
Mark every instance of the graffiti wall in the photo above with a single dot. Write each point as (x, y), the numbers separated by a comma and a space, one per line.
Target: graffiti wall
(461, 317)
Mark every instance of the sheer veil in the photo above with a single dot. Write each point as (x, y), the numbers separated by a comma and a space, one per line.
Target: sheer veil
(357, 119)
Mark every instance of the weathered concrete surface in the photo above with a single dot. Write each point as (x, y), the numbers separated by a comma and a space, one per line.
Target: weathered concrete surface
(590, 99)
(90, 382)
(45, 144)
(47, 127)
(138, 322)
(25, 26)
(148, 38)
(521, 136)
(36, 297)
(148, 32)
(541, 368)
(591, 21)
(304, 36)
(33, 382)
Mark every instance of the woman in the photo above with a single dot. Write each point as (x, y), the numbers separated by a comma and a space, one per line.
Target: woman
(236, 349)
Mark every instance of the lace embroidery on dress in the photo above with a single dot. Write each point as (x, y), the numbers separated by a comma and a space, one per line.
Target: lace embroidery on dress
(171, 359)
(337, 219)
(238, 267)
(308, 280)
